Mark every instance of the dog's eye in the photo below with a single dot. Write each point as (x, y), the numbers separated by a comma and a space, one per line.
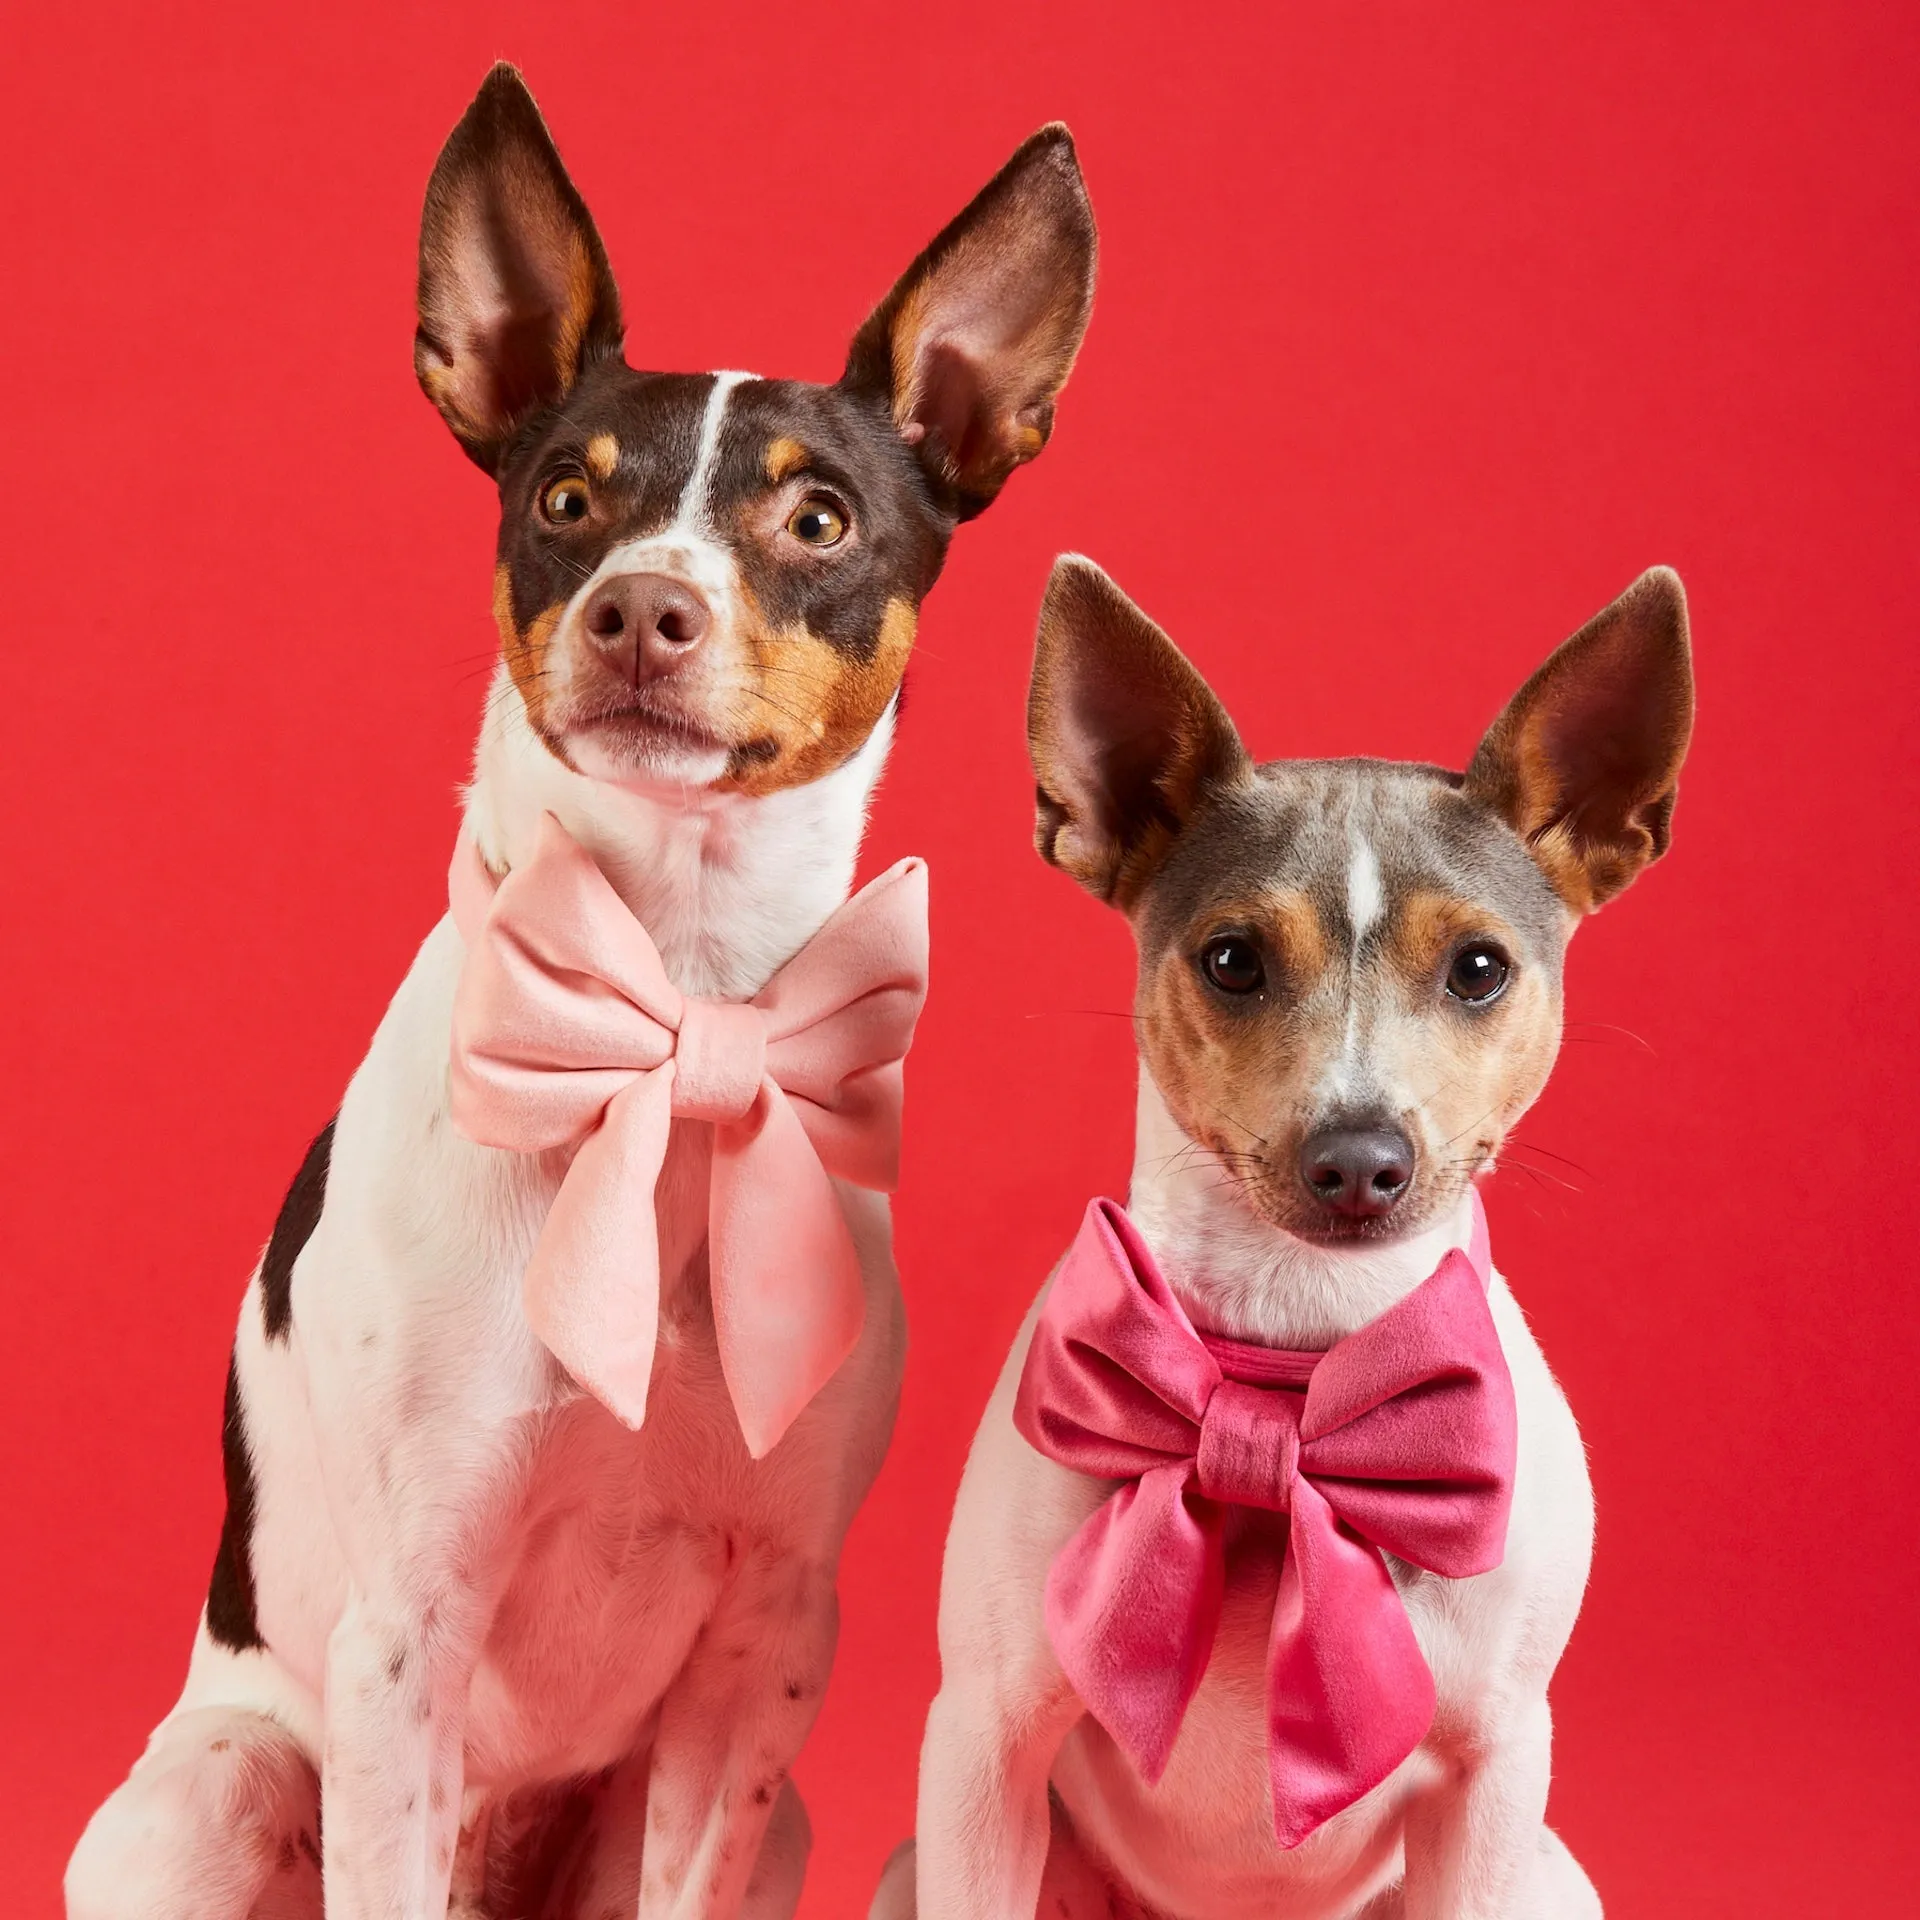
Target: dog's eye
(817, 522)
(566, 502)
(1232, 963)
(1478, 973)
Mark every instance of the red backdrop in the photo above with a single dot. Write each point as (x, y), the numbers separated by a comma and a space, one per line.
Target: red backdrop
(1417, 338)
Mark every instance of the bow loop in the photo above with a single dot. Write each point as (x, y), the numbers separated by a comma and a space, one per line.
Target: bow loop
(1402, 1441)
(1249, 1447)
(567, 1031)
(719, 1060)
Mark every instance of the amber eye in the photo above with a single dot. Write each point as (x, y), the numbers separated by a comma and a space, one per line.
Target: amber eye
(1232, 963)
(817, 522)
(1478, 973)
(566, 502)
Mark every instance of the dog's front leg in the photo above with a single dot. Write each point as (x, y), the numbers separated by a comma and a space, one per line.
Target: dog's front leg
(392, 1783)
(730, 1726)
(1472, 1844)
(420, 1452)
(983, 1824)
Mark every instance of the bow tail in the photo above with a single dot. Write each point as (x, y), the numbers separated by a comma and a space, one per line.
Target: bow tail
(1349, 1693)
(593, 1284)
(1133, 1604)
(788, 1297)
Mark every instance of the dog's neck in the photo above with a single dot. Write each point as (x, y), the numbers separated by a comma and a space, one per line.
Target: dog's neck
(729, 887)
(1235, 1274)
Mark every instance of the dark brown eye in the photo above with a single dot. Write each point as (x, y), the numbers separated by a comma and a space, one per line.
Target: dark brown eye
(1478, 973)
(1232, 963)
(817, 522)
(566, 502)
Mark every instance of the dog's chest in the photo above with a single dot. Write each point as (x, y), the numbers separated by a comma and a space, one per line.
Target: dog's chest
(622, 1548)
(1200, 1845)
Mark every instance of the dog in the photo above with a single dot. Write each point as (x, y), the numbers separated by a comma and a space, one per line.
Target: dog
(525, 1657)
(1349, 992)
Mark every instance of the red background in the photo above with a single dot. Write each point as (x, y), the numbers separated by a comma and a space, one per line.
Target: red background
(1418, 337)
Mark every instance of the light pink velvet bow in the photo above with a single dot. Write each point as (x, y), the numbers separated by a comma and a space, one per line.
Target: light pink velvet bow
(1400, 1436)
(567, 1031)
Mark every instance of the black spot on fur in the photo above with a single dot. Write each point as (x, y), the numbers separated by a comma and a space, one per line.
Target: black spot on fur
(230, 1612)
(299, 1215)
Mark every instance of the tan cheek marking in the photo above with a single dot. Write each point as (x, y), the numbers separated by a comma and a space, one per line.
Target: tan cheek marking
(819, 704)
(525, 649)
(784, 457)
(1241, 1087)
(1473, 1074)
(603, 455)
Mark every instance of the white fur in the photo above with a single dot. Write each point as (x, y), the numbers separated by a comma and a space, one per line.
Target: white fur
(1456, 1833)
(473, 1581)
(1366, 898)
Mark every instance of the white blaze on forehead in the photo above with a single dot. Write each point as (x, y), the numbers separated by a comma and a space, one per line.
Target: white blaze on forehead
(1366, 897)
(690, 516)
(1366, 902)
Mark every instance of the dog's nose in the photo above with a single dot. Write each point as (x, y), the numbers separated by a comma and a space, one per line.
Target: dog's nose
(1361, 1172)
(646, 624)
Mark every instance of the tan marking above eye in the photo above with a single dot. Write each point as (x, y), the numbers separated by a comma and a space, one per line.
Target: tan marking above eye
(603, 455)
(784, 457)
(1430, 925)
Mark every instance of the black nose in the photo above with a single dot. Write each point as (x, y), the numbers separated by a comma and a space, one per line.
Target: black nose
(646, 624)
(1357, 1171)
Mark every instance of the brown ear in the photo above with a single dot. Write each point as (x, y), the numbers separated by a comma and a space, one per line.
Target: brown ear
(974, 343)
(1126, 737)
(515, 295)
(1585, 763)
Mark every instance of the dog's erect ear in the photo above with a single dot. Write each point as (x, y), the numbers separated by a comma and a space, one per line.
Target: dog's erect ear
(1126, 737)
(974, 343)
(515, 295)
(1585, 763)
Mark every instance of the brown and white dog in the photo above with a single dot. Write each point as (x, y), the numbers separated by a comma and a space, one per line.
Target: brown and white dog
(528, 1662)
(1349, 992)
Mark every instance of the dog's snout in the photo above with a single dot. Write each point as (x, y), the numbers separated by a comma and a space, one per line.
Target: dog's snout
(646, 624)
(1361, 1172)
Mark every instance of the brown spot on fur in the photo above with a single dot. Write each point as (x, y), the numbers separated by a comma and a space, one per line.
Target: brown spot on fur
(785, 456)
(819, 702)
(603, 455)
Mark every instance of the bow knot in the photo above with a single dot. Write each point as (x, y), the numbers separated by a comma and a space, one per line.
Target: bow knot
(1249, 1446)
(719, 1060)
(568, 1032)
(1398, 1439)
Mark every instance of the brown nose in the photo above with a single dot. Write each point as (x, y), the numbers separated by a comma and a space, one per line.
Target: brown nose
(646, 625)
(1361, 1172)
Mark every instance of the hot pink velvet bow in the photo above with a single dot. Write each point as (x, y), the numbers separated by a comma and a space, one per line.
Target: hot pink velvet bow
(567, 1030)
(1400, 1437)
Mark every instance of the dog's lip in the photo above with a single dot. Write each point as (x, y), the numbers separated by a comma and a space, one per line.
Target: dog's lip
(645, 715)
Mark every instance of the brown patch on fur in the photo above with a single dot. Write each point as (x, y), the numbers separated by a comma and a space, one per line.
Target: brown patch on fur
(603, 455)
(525, 648)
(819, 702)
(784, 456)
